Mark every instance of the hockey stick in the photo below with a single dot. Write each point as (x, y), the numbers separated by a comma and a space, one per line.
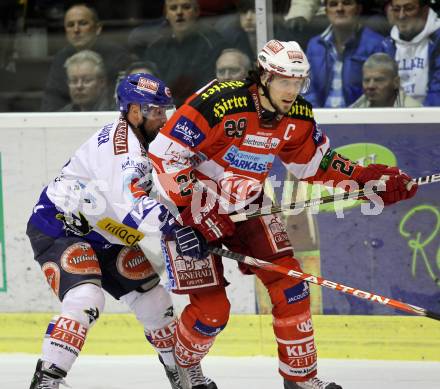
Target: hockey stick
(323, 200)
(251, 261)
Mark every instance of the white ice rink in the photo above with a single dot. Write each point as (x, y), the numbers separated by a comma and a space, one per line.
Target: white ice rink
(229, 373)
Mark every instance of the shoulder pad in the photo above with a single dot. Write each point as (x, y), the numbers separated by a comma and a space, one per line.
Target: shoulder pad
(218, 99)
(301, 109)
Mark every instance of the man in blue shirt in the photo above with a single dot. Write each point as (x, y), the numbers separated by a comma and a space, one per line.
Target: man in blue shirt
(337, 55)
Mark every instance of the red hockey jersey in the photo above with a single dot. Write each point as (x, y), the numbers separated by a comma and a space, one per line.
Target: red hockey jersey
(220, 135)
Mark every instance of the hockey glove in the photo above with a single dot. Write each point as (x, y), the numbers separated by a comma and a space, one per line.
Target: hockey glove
(398, 185)
(212, 222)
(191, 243)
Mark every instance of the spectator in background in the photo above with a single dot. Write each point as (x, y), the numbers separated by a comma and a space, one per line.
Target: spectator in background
(381, 84)
(143, 35)
(138, 67)
(87, 83)
(83, 30)
(185, 52)
(241, 33)
(247, 31)
(337, 55)
(306, 18)
(232, 64)
(142, 67)
(414, 43)
(375, 16)
(301, 12)
(299, 17)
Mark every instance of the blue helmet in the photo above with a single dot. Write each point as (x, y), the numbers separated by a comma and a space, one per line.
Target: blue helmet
(144, 89)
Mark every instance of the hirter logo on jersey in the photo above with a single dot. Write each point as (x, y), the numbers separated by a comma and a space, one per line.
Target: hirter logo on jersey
(186, 131)
(147, 85)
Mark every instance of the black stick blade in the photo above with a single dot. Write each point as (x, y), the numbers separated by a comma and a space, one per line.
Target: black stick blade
(433, 315)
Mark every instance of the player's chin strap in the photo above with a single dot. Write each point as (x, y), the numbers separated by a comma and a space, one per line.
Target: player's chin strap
(300, 205)
(368, 296)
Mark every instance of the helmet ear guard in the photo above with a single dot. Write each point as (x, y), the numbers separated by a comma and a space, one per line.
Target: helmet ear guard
(285, 59)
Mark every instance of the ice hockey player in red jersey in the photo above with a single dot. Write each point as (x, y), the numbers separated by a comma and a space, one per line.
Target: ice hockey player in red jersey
(211, 159)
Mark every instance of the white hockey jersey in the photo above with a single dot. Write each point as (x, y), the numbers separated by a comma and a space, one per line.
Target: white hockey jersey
(102, 192)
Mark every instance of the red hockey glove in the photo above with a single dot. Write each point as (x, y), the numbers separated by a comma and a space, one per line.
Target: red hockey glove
(212, 222)
(398, 185)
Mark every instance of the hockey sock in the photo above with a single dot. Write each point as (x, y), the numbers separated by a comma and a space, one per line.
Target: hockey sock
(66, 333)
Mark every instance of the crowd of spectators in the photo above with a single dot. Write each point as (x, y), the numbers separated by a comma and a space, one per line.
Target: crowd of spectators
(69, 55)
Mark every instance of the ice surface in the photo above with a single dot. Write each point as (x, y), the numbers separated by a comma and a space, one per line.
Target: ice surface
(120, 372)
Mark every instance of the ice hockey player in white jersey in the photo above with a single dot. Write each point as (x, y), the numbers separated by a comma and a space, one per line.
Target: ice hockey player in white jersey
(87, 230)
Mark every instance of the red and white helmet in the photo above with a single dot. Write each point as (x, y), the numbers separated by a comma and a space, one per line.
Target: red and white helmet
(285, 59)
